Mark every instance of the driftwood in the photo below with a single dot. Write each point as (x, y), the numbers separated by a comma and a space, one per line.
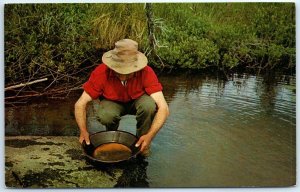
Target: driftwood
(25, 84)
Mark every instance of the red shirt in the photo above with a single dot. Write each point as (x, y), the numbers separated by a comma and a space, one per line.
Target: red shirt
(104, 82)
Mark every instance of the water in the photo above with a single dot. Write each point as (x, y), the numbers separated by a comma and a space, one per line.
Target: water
(240, 132)
(112, 152)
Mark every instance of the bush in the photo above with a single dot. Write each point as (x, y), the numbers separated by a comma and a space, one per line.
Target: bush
(185, 51)
(57, 40)
(46, 40)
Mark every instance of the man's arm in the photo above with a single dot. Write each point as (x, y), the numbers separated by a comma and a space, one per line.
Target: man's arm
(158, 121)
(80, 115)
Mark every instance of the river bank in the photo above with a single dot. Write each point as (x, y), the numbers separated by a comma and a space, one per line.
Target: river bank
(52, 162)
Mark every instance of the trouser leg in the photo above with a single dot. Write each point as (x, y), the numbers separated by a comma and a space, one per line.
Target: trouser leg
(109, 114)
(145, 109)
(93, 123)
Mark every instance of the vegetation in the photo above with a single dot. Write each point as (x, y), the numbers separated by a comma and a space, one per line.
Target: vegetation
(227, 36)
(63, 42)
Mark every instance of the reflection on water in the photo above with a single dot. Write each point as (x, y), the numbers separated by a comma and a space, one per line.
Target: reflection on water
(134, 172)
(235, 133)
(240, 132)
(42, 118)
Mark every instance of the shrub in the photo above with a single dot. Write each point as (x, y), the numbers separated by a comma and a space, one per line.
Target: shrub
(46, 40)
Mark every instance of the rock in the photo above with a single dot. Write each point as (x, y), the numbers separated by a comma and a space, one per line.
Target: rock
(52, 162)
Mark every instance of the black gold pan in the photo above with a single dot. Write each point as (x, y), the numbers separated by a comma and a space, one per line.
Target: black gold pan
(111, 147)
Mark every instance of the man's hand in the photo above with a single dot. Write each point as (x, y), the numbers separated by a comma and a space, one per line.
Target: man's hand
(84, 135)
(144, 142)
(159, 119)
(80, 115)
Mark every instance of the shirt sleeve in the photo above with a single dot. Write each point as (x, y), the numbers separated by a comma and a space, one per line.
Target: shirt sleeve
(150, 81)
(94, 86)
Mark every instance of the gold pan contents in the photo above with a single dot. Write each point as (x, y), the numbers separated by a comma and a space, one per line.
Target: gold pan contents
(112, 152)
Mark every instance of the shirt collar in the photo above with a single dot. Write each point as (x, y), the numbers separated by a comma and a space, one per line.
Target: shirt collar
(111, 74)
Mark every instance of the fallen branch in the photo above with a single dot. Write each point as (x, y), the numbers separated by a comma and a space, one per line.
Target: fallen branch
(25, 84)
(53, 92)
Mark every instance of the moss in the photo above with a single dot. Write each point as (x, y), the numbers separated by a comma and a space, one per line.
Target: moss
(8, 164)
(20, 143)
(75, 154)
(42, 179)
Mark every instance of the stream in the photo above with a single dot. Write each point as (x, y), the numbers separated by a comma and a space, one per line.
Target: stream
(240, 132)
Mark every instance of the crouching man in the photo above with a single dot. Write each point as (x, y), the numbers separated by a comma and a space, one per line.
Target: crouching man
(124, 84)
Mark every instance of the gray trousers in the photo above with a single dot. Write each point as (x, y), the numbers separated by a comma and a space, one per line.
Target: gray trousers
(110, 112)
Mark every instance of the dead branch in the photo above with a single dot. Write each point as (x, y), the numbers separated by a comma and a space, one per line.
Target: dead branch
(25, 84)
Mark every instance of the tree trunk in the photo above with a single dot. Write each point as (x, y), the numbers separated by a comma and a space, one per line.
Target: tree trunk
(150, 24)
(151, 34)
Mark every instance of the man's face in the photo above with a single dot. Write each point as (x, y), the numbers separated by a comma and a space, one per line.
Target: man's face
(123, 77)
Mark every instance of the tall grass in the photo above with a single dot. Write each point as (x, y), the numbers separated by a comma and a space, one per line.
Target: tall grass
(117, 21)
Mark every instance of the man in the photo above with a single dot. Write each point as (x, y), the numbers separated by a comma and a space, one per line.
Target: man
(125, 85)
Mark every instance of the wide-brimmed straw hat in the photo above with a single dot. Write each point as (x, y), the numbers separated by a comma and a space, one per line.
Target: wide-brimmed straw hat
(125, 57)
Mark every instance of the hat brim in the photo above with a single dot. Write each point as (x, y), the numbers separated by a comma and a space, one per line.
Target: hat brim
(127, 68)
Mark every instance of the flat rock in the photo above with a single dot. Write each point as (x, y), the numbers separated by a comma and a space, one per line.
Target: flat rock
(52, 162)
